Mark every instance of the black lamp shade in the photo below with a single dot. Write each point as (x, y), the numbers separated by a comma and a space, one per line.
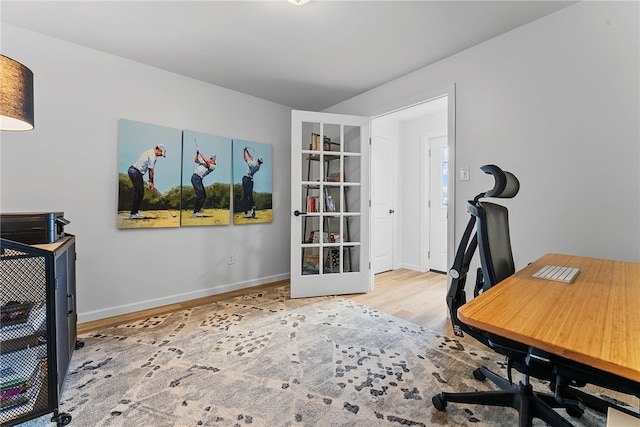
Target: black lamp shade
(16, 95)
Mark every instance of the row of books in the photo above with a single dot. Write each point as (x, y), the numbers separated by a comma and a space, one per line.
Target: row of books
(314, 237)
(313, 204)
(21, 371)
(21, 374)
(311, 264)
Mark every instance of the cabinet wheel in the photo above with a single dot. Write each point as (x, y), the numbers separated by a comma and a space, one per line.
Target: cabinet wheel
(477, 374)
(79, 345)
(61, 419)
(438, 402)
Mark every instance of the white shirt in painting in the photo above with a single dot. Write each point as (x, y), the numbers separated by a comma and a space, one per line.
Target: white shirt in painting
(203, 170)
(146, 161)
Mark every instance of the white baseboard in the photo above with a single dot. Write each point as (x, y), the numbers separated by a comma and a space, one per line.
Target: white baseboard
(173, 299)
(406, 266)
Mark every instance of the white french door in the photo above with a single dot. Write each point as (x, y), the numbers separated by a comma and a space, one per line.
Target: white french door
(383, 174)
(330, 225)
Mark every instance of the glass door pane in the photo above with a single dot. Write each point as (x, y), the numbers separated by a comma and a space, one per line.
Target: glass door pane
(330, 204)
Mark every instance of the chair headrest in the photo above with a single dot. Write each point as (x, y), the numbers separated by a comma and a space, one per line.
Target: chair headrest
(506, 185)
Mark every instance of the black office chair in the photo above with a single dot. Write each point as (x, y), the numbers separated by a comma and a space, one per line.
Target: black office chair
(491, 224)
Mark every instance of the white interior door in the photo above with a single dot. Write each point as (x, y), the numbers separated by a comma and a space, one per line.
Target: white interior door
(330, 219)
(439, 160)
(383, 175)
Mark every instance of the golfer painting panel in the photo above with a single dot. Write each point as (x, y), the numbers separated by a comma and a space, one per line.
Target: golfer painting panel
(149, 166)
(206, 180)
(252, 182)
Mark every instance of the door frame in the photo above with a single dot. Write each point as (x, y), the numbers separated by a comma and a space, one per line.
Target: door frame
(450, 92)
(425, 191)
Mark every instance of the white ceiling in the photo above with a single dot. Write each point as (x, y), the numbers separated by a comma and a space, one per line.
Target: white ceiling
(305, 57)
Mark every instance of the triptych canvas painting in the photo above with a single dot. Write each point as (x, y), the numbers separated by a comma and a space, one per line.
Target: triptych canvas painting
(179, 178)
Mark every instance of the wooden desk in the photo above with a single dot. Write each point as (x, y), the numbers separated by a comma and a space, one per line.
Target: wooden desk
(595, 320)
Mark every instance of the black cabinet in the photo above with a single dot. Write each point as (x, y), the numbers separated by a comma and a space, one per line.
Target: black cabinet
(37, 329)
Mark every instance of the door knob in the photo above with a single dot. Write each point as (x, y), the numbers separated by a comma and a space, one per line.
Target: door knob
(391, 211)
(298, 213)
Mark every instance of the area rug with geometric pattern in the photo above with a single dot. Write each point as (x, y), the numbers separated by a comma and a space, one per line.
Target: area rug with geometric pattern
(267, 360)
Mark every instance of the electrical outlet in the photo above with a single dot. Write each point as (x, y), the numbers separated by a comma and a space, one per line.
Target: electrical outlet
(232, 259)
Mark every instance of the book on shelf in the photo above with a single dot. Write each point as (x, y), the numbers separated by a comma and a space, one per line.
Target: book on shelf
(17, 367)
(332, 263)
(20, 392)
(312, 204)
(330, 205)
(315, 143)
(333, 177)
(314, 237)
(22, 399)
(310, 265)
(34, 321)
(14, 313)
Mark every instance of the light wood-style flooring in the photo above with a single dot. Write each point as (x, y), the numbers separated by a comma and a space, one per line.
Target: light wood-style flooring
(409, 295)
(416, 297)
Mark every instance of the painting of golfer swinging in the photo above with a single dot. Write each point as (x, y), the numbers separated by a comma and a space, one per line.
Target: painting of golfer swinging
(252, 182)
(206, 179)
(148, 175)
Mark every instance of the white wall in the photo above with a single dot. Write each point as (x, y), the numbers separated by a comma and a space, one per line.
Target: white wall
(556, 102)
(69, 163)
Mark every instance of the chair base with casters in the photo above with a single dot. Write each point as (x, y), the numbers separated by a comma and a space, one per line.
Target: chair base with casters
(530, 404)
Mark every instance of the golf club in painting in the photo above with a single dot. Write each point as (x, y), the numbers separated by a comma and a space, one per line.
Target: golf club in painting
(168, 208)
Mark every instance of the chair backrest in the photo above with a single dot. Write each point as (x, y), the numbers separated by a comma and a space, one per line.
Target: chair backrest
(494, 243)
(488, 230)
(492, 228)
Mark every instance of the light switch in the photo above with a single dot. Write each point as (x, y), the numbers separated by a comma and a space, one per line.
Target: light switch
(464, 173)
